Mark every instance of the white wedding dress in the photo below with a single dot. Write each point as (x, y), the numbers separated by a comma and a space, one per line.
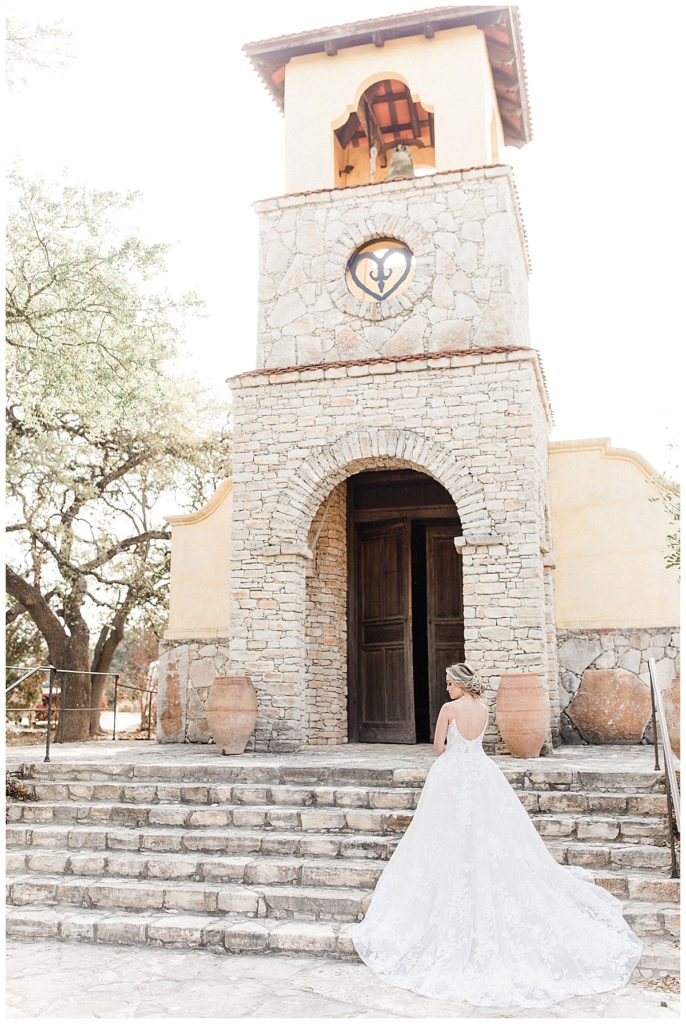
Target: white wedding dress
(472, 906)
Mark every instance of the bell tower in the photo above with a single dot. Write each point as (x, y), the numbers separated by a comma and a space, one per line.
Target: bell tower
(389, 503)
(400, 232)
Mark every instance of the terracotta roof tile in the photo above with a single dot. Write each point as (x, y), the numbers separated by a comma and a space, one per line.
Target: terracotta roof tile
(268, 371)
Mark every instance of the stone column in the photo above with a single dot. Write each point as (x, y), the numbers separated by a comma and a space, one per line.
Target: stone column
(268, 639)
(551, 644)
(504, 628)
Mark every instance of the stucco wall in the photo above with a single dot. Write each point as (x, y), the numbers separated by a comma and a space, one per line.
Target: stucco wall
(450, 74)
(199, 603)
(609, 539)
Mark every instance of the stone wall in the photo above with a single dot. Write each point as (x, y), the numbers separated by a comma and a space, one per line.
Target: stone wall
(581, 650)
(325, 699)
(469, 284)
(186, 672)
(467, 419)
(545, 567)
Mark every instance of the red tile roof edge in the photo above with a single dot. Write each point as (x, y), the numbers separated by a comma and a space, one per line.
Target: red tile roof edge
(375, 360)
(436, 174)
(371, 184)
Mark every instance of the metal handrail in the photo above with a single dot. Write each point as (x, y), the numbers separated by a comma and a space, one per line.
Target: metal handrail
(13, 686)
(55, 672)
(671, 781)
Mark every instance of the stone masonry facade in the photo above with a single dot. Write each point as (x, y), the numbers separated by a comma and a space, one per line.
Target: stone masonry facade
(438, 378)
(326, 625)
(187, 670)
(475, 421)
(582, 650)
(469, 287)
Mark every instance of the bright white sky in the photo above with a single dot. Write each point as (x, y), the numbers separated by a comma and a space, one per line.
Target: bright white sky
(151, 100)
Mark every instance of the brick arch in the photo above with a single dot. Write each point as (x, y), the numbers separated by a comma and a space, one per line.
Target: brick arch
(367, 449)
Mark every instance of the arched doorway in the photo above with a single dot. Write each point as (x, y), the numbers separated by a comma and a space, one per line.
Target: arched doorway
(405, 604)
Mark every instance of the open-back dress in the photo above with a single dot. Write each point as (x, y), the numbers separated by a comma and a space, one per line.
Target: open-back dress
(472, 906)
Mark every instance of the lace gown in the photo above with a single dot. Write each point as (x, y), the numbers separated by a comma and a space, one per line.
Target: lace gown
(472, 906)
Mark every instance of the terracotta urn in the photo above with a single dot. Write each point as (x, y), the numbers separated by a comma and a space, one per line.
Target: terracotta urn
(522, 713)
(231, 712)
(671, 699)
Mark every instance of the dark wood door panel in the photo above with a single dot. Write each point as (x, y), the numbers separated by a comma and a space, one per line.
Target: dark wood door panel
(444, 611)
(385, 685)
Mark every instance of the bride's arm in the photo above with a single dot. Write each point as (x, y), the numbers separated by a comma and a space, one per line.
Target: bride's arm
(441, 730)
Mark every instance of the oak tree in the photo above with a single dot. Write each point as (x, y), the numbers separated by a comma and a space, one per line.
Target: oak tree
(103, 431)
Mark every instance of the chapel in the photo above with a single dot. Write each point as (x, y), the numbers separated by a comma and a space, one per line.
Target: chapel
(396, 503)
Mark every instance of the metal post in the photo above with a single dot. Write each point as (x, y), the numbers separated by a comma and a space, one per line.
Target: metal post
(47, 738)
(114, 717)
(652, 700)
(672, 832)
(149, 711)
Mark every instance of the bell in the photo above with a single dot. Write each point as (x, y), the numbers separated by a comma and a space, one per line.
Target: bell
(401, 163)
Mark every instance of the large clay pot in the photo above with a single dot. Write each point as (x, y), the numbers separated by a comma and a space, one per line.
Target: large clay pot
(522, 713)
(672, 704)
(231, 712)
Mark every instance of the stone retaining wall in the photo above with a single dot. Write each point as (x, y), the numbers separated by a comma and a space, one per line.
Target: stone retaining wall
(187, 668)
(580, 650)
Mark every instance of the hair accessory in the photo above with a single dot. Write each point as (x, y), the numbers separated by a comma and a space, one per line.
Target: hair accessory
(464, 676)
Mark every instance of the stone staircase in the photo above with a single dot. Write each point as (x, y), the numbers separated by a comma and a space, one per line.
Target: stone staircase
(275, 858)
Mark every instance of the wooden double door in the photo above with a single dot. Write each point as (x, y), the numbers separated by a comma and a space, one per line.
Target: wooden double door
(406, 619)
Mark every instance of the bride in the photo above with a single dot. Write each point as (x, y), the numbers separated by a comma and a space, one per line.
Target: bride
(471, 905)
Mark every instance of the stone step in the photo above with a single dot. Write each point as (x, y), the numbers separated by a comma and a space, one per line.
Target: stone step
(612, 855)
(233, 934)
(304, 903)
(235, 841)
(274, 870)
(224, 772)
(135, 792)
(635, 829)
(231, 841)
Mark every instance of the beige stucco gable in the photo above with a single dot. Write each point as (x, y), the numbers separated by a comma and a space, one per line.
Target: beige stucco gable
(200, 596)
(609, 538)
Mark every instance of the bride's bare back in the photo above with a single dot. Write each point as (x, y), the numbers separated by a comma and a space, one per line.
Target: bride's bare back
(470, 717)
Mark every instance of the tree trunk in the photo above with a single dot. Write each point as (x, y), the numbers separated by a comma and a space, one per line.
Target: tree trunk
(98, 686)
(75, 696)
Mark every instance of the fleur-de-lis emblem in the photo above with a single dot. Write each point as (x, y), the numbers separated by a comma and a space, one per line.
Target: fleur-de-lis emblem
(389, 265)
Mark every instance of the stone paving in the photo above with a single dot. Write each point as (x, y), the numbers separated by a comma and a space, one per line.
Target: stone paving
(86, 978)
(81, 981)
(571, 757)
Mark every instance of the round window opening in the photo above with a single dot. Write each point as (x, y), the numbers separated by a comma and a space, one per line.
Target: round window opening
(379, 269)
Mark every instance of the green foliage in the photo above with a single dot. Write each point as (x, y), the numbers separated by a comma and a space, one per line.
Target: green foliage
(103, 434)
(672, 504)
(31, 47)
(88, 333)
(669, 495)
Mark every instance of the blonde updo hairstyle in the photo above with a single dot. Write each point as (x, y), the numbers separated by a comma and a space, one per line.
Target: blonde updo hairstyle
(464, 676)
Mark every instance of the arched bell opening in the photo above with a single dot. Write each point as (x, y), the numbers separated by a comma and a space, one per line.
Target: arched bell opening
(389, 134)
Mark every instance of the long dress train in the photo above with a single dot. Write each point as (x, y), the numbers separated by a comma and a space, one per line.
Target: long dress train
(472, 906)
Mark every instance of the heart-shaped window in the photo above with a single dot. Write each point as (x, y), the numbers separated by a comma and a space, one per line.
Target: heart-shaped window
(379, 269)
